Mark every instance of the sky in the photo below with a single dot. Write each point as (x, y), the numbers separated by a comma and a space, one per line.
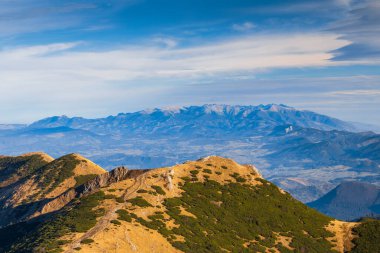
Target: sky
(99, 58)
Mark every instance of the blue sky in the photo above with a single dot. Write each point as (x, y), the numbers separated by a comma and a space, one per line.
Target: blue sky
(96, 58)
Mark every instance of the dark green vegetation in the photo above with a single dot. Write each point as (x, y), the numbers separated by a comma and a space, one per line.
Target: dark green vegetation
(158, 189)
(120, 200)
(245, 213)
(54, 173)
(194, 172)
(81, 179)
(139, 201)
(116, 222)
(79, 216)
(369, 237)
(13, 168)
(124, 215)
(238, 178)
(87, 241)
(208, 171)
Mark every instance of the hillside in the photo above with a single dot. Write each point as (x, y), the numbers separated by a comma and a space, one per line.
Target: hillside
(350, 201)
(14, 168)
(36, 178)
(209, 205)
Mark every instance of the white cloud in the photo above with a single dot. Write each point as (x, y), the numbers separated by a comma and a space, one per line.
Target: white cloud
(59, 78)
(356, 93)
(167, 42)
(247, 26)
(54, 63)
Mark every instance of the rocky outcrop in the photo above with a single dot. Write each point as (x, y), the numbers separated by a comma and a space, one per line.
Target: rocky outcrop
(103, 180)
(57, 203)
(35, 209)
(254, 170)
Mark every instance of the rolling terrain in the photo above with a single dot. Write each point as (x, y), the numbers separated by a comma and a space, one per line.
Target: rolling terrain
(30, 181)
(350, 201)
(210, 205)
(306, 153)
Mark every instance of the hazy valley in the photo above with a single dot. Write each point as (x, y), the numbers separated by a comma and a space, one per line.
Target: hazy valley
(305, 153)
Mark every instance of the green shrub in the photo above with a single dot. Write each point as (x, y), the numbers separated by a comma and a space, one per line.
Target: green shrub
(194, 172)
(158, 189)
(115, 222)
(87, 241)
(120, 200)
(368, 239)
(124, 215)
(139, 201)
(109, 196)
(208, 171)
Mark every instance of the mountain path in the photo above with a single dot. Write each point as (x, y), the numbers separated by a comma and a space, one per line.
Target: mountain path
(110, 215)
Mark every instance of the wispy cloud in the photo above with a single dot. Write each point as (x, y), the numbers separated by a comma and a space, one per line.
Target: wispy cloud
(362, 28)
(166, 41)
(23, 16)
(237, 56)
(246, 26)
(355, 93)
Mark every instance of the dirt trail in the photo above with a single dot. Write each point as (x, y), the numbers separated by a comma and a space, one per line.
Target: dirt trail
(342, 235)
(105, 220)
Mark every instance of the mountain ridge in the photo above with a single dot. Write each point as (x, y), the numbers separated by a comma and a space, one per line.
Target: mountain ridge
(314, 119)
(209, 205)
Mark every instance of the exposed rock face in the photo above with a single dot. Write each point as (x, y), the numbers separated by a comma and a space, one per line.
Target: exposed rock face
(103, 180)
(254, 169)
(57, 203)
(35, 209)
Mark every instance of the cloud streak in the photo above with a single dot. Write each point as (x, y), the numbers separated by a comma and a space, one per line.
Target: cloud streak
(246, 26)
(362, 28)
(43, 64)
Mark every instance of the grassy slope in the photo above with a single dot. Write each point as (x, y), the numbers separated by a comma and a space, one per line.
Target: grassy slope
(13, 168)
(247, 215)
(368, 238)
(209, 215)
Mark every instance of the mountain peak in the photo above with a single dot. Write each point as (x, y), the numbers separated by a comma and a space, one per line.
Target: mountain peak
(361, 197)
(43, 155)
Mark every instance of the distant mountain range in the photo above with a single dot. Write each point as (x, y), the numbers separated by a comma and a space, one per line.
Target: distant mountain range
(350, 201)
(306, 153)
(200, 120)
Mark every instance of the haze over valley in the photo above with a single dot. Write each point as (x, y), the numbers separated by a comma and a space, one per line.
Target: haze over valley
(305, 153)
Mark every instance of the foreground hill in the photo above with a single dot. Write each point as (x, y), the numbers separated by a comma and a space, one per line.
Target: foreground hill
(14, 168)
(30, 180)
(350, 201)
(209, 205)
